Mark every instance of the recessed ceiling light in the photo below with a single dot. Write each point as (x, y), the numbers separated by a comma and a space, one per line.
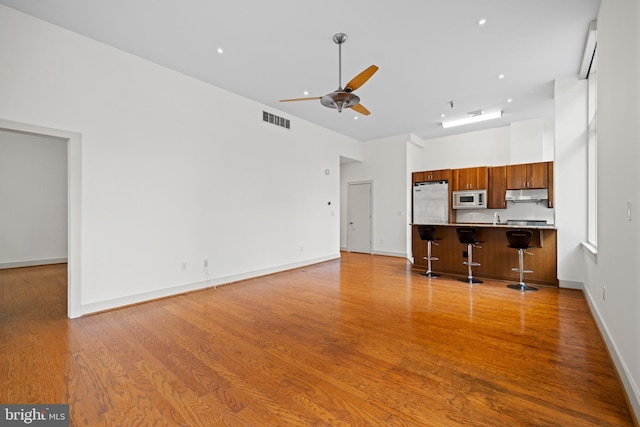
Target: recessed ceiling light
(509, 100)
(442, 115)
(220, 50)
(306, 92)
(355, 117)
(501, 76)
(482, 21)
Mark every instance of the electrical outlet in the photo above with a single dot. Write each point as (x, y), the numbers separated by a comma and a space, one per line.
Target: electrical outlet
(205, 263)
(183, 266)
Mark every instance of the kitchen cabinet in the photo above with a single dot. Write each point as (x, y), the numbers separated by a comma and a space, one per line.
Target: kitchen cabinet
(550, 183)
(435, 175)
(497, 188)
(470, 178)
(527, 176)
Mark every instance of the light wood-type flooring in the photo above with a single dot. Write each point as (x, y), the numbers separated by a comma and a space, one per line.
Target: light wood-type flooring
(361, 341)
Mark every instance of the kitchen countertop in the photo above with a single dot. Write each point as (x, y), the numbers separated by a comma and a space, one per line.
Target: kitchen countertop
(491, 225)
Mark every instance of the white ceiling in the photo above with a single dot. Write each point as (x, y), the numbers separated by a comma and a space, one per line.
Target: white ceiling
(429, 52)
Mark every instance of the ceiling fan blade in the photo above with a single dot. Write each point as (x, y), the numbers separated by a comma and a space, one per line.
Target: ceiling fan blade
(300, 99)
(360, 109)
(361, 79)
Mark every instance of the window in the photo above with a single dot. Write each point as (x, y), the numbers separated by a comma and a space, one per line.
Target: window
(592, 161)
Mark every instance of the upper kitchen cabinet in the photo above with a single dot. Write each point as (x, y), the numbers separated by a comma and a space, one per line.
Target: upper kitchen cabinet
(428, 176)
(497, 187)
(470, 178)
(528, 176)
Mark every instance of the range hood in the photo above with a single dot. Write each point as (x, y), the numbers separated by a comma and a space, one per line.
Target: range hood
(527, 196)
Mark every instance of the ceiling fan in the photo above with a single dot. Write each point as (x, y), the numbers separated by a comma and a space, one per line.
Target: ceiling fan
(343, 98)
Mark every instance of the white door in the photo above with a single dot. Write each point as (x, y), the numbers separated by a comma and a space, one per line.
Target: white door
(359, 217)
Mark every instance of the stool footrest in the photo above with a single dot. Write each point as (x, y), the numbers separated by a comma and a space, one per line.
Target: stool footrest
(524, 271)
(472, 264)
(431, 259)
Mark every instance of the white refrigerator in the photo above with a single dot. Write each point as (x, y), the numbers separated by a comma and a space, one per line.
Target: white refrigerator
(431, 202)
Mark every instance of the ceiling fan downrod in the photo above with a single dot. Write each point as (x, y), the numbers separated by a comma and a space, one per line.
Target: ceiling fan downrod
(340, 98)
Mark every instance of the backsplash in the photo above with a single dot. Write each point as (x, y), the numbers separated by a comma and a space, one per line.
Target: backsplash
(514, 211)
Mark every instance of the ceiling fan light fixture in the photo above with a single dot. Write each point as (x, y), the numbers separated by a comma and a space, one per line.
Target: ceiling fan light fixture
(340, 100)
(472, 119)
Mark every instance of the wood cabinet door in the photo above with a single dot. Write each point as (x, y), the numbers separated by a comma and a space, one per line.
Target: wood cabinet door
(481, 181)
(497, 187)
(550, 183)
(471, 178)
(516, 177)
(418, 177)
(460, 179)
(439, 175)
(527, 176)
(436, 175)
(537, 175)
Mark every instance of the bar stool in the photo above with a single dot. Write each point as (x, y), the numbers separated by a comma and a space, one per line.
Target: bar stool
(469, 237)
(520, 239)
(427, 233)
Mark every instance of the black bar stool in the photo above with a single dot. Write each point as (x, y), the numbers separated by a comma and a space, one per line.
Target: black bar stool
(520, 239)
(427, 233)
(469, 237)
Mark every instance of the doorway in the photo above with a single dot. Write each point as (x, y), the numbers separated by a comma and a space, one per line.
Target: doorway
(359, 218)
(74, 307)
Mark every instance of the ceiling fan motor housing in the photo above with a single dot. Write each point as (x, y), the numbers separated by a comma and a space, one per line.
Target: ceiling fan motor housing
(340, 100)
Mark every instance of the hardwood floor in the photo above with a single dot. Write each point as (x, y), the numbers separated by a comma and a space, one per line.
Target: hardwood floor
(353, 342)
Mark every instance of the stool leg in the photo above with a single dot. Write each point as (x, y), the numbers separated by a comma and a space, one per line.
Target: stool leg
(521, 286)
(429, 273)
(470, 261)
(470, 279)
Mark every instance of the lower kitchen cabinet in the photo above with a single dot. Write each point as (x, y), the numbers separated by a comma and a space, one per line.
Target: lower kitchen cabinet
(495, 257)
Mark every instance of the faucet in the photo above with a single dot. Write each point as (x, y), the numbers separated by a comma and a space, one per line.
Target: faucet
(496, 218)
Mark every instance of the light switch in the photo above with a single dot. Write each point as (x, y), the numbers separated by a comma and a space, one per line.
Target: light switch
(628, 211)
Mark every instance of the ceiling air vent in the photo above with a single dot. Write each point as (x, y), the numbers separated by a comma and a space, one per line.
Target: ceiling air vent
(276, 120)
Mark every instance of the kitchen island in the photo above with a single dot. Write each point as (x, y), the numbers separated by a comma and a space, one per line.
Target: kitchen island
(495, 256)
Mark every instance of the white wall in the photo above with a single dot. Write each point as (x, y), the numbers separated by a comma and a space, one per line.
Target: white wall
(490, 147)
(618, 257)
(530, 141)
(172, 170)
(570, 187)
(33, 190)
(385, 163)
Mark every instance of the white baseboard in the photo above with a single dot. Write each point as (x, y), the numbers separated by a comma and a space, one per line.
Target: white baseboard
(630, 386)
(570, 284)
(395, 254)
(114, 303)
(385, 253)
(32, 263)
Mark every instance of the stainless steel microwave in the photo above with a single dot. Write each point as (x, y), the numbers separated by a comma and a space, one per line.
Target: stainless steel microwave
(470, 199)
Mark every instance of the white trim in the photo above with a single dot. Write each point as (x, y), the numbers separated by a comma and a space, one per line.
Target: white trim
(395, 254)
(74, 159)
(630, 387)
(32, 263)
(591, 251)
(190, 287)
(570, 284)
